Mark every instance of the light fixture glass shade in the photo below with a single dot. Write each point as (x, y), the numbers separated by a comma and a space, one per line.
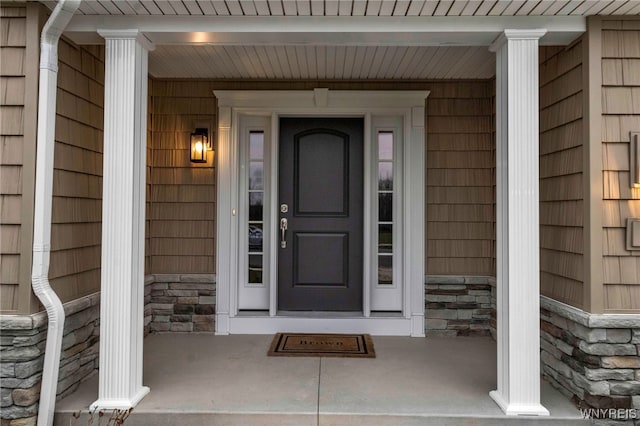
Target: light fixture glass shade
(199, 145)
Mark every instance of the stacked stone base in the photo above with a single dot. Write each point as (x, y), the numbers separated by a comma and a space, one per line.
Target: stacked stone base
(594, 360)
(23, 340)
(459, 306)
(180, 303)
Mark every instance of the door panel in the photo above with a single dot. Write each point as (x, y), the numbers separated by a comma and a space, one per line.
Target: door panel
(330, 269)
(321, 181)
(321, 173)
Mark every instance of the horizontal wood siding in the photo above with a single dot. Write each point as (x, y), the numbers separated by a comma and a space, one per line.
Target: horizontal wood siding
(620, 115)
(182, 199)
(561, 174)
(460, 173)
(76, 230)
(460, 201)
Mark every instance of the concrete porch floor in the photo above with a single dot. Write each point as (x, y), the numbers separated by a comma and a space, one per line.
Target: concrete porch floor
(201, 379)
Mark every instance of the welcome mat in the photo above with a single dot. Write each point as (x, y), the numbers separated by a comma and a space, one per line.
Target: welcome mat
(323, 345)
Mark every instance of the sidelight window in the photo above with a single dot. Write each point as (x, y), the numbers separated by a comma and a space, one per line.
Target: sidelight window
(256, 207)
(385, 207)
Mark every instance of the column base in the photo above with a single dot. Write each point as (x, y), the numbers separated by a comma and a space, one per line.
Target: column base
(518, 409)
(120, 403)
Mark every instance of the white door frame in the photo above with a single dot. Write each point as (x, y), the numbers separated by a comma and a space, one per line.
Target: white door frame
(320, 102)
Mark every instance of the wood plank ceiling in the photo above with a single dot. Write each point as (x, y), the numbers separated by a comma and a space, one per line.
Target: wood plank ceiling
(361, 7)
(337, 62)
(322, 62)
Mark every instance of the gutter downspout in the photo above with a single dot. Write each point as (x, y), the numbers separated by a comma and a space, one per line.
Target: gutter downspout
(51, 33)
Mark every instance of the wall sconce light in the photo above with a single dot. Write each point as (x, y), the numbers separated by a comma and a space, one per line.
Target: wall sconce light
(200, 145)
(634, 157)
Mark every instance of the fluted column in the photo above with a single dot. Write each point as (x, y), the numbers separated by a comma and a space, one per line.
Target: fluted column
(518, 222)
(123, 220)
(226, 250)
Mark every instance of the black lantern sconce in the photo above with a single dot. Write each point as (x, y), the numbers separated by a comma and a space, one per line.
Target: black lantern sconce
(200, 145)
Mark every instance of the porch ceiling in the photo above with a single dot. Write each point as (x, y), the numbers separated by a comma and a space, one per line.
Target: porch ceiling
(322, 62)
(331, 39)
(360, 7)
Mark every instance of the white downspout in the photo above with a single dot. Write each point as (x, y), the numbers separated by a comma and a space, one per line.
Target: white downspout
(51, 33)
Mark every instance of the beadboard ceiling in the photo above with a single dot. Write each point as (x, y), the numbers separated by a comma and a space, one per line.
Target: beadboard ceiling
(412, 49)
(322, 62)
(360, 7)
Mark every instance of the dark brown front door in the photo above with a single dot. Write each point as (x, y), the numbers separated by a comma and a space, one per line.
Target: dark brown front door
(321, 178)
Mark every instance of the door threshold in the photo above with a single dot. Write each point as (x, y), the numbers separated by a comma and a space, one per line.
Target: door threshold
(259, 322)
(321, 314)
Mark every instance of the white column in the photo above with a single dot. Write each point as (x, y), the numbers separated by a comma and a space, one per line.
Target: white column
(226, 243)
(518, 243)
(414, 250)
(123, 220)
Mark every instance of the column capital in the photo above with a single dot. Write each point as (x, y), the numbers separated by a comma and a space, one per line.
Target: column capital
(520, 34)
(128, 34)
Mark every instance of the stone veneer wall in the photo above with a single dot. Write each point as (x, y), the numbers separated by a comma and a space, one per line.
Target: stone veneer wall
(455, 305)
(22, 345)
(460, 305)
(179, 303)
(594, 360)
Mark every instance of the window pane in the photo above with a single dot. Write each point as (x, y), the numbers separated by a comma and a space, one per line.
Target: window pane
(385, 146)
(255, 237)
(256, 145)
(255, 269)
(385, 207)
(385, 239)
(385, 176)
(255, 206)
(385, 269)
(256, 172)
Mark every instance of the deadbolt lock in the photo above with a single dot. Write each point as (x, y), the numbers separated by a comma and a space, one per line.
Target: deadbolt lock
(284, 208)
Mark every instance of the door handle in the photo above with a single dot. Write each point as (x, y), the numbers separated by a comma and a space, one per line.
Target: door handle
(283, 232)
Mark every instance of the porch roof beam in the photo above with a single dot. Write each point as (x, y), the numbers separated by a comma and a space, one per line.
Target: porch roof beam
(366, 30)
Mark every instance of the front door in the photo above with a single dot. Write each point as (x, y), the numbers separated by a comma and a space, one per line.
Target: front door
(320, 196)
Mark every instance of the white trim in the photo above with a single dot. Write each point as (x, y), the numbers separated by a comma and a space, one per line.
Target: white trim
(367, 220)
(254, 296)
(518, 223)
(273, 242)
(390, 326)
(236, 104)
(387, 297)
(327, 30)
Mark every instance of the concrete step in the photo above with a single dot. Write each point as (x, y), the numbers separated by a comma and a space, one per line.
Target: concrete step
(313, 419)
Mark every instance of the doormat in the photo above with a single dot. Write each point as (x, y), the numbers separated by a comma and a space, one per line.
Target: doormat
(322, 345)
